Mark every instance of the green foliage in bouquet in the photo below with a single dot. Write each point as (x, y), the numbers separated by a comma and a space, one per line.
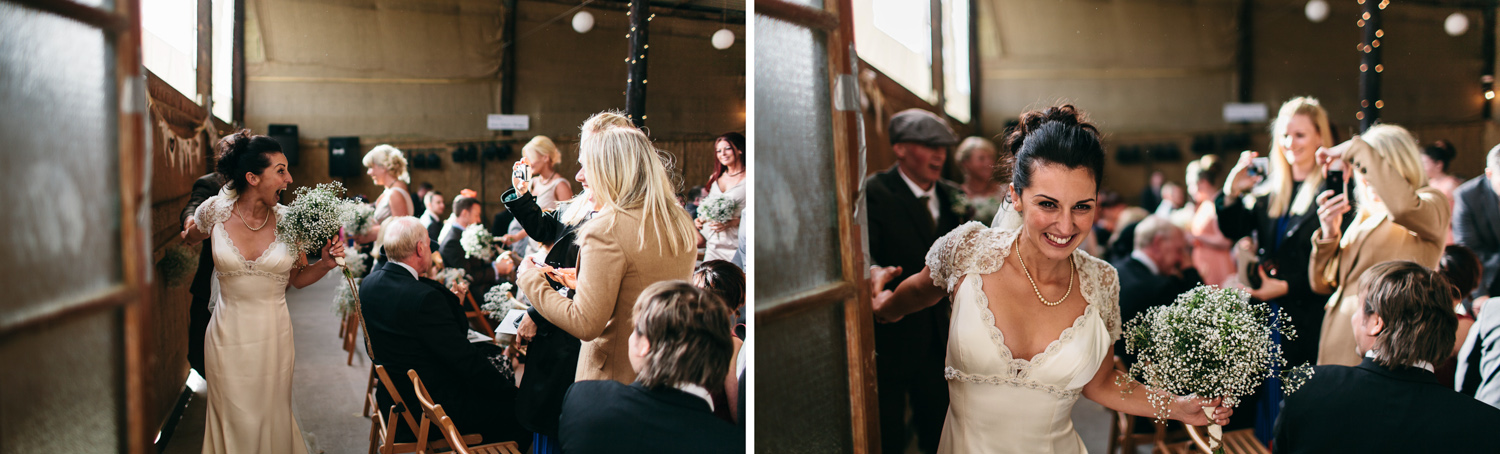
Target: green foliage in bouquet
(345, 301)
(315, 215)
(1211, 342)
(718, 208)
(177, 265)
(499, 301)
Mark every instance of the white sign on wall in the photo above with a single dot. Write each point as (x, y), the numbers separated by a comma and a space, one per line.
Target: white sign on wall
(1255, 112)
(498, 122)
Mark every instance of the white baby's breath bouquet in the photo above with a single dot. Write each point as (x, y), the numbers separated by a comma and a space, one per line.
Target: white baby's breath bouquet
(354, 262)
(478, 242)
(1211, 342)
(360, 219)
(718, 208)
(452, 276)
(500, 300)
(315, 215)
(345, 302)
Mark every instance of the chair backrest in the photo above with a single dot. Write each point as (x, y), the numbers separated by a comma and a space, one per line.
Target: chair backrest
(390, 388)
(450, 433)
(431, 412)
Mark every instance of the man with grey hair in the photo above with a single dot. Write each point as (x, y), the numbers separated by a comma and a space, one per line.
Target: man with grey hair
(415, 323)
(1476, 218)
(1152, 275)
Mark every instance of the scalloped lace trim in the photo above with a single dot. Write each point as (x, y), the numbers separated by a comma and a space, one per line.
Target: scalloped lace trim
(958, 375)
(282, 277)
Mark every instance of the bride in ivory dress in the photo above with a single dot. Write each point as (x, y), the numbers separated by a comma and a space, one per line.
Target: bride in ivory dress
(1034, 318)
(248, 349)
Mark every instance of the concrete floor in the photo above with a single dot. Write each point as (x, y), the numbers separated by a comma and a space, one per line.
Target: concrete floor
(326, 393)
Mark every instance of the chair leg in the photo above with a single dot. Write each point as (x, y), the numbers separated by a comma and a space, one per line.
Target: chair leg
(369, 389)
(350, 342)
(1114, 433)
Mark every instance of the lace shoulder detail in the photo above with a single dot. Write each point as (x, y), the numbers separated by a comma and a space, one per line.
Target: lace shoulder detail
(1102, 289)
(970, 248)
(213, 211)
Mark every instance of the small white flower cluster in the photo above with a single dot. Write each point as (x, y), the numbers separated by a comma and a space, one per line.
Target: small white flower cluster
(499, 301)
(478, 242)
(360, 219)
(450, 276)
(343, 302)
(1211, 342)
(354, 262)
(314, 216)
(718, 208)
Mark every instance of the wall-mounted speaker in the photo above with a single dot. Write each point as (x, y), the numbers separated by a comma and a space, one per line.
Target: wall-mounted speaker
(344, 156)
(286, 135)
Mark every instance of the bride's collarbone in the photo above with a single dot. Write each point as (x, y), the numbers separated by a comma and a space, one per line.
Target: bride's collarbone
(1027, 325)
(250, 244)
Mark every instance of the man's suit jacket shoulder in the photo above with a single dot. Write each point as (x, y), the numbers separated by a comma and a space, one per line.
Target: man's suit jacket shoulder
(1368, 408)
(608, 416)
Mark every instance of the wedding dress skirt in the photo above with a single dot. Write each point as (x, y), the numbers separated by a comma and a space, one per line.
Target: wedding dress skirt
(248, 349)
(1004, 404)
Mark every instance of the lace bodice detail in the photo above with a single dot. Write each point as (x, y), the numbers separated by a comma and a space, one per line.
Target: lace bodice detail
(973, 249)
(274, 263)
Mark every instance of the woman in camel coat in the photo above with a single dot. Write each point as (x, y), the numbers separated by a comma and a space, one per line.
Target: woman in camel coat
(1399, 217)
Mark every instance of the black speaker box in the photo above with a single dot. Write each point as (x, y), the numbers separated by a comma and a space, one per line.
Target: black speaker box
(344, 156)
(286, 135)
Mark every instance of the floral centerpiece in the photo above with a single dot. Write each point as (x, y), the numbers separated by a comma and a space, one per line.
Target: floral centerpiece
(718, 208)
(360, 219)
(315, 215)
(478, 242)
(1211, 342)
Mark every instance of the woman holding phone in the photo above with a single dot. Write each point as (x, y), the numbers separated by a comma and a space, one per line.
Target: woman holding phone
(1274, 204)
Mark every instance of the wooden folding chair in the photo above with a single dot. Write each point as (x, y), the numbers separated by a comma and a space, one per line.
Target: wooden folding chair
(383, 430)
(1241, 441)
(1122, 436)
(434, 414)
(475, 313)
(370, 390)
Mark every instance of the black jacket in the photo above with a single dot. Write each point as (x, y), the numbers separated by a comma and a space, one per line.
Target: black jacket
(901, 232)
(417, 324)
(606, 416)
(1140, 289)
(552, 355)
(207, 186)
(1370, 408)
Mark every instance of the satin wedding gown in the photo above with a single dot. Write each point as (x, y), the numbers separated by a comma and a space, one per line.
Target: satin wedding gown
(248, 350)
(1005, 404)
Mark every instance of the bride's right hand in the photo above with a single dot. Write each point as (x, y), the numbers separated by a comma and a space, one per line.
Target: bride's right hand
(1189, 410)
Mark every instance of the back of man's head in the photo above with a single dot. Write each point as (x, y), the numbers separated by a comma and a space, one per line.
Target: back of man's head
(1416, 306)
(462, 204)
(401, 237)
(688, 332)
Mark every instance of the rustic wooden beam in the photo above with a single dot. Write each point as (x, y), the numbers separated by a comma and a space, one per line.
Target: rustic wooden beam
(797, 14)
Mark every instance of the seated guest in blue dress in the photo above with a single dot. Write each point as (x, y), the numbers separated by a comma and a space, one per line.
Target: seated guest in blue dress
(680, 349)
(1390, 402)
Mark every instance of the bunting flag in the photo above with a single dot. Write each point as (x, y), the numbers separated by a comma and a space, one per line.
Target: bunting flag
(184, 153)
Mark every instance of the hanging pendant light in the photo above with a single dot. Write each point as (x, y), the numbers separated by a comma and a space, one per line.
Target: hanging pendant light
(583, 22)
(723, 39)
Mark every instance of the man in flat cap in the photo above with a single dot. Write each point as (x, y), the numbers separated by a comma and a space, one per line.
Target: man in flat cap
(909, 207)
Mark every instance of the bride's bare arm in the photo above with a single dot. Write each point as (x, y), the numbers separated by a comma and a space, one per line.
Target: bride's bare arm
(914, 294)
(305, 276)
(1131, 397)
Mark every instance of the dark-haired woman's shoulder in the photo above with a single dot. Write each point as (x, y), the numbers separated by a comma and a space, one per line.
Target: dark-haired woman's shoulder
(213, 211)
(970, 248)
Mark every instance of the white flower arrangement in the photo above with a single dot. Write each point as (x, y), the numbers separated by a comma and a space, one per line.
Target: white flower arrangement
(499, 301)
(451, 276)
(718, 208)
(345, 301)
(1211, 342)
(478, 242)
(360, 219)
(354, 262)
(315, 215)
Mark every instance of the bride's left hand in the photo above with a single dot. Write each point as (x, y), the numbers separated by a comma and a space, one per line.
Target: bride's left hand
(1189, 410)
(334, 248)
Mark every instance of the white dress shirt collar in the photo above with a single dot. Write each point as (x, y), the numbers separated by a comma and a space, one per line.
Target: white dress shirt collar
(929, 193)
(1145, 260)
(408, 268)
(1421, 364)
(699, 391)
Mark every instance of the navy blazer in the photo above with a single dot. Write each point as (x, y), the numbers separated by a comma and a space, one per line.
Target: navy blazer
(1476, 225)
(1371, 408)
(605, 416)
(417, 324)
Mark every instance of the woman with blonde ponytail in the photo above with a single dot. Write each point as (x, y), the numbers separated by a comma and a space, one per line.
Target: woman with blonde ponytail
(637, 236)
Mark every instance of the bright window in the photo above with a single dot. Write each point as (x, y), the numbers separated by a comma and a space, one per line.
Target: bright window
(956, 86)
(223, 57)
(895, 37)
(169, 43)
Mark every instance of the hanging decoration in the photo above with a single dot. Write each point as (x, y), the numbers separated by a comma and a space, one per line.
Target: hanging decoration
(723, 39)
(1316, 11)
(1370, 65)
(583, 22)
(184, 154)
(1456, 24)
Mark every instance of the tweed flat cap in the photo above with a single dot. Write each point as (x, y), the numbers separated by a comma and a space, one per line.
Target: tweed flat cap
(920, 126)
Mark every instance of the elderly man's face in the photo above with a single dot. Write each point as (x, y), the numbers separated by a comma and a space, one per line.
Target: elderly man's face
(922, 163)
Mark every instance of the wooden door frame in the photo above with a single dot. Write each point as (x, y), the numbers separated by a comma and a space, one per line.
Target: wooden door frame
(132, 295)
(836, 21)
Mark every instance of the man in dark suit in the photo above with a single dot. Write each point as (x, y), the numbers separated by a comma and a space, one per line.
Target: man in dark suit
(909, 207)
(198, 315)
(482, 274)
(1391, 402)
(415, 323)
(680, 348)
(433, 216)
(419, 202)
(1152, 274)
(1476, 218)
(1479, 360)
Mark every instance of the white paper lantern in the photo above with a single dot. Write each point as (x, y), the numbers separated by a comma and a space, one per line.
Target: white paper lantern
(1316, 10)
(583, 22)
(1456, 24)
(723, 39)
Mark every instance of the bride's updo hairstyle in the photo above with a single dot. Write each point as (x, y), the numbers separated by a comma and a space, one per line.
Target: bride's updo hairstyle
(242, 152)
(1059, 135)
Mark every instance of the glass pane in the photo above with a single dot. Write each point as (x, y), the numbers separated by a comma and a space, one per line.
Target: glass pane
(69, 399)
(895, 37)
(796, 222)
(169, 43)
(223, 55)
(956, 59)
(813, 388)
(59, 170)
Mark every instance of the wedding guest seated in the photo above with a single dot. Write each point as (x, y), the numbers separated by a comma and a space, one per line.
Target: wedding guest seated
(433, 216)
(482, 274)
(1391, 401)
(1462, 269)
(680, 348)
(727, 282)
(1152, 275)
(417, 324)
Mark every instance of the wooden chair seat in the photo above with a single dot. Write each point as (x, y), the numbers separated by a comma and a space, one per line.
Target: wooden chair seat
(383, 429)
(434, 414)
(1241, 441)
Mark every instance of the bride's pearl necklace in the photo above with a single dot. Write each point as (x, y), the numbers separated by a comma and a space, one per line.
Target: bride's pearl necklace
(1039, 290)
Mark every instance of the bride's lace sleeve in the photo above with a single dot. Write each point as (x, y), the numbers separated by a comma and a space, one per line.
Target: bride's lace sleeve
(212, 211)
(952, 255)
(1109, 296)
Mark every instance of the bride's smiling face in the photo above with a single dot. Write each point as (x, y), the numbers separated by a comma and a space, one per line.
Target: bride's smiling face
(272, 180)
(1058, 208)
